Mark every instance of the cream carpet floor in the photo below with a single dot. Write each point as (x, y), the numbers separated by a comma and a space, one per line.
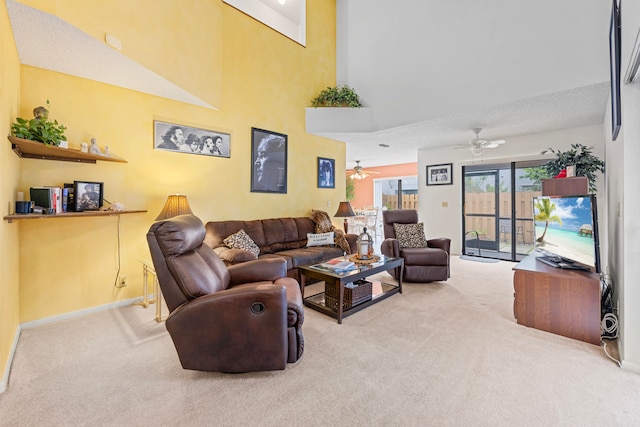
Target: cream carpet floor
(440, 354)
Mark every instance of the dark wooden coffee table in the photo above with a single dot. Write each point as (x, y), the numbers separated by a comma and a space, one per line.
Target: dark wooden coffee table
(385, 290)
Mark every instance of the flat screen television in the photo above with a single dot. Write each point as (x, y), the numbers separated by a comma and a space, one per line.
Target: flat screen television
(566, 231)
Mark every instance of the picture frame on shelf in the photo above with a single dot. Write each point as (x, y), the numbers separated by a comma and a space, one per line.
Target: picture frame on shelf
(268, 161)
(326, 173)
(191, 140)
(440, 174)
(88, 195)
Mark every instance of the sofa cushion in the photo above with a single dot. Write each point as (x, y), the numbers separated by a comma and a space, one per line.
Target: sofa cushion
(319, 239)
(241, 240)
(410, 235)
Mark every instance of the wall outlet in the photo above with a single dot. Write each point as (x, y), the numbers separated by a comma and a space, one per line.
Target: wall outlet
(122, 281)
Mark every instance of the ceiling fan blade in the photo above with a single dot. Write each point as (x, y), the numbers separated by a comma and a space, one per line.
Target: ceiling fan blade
(494, 144)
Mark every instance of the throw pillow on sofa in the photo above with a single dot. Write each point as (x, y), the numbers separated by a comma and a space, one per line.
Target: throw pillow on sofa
(241, 240)
(410, 235)
(319, 239)
(323, 225)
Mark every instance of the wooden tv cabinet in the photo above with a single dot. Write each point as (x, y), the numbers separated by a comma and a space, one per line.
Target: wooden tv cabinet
(563, 302)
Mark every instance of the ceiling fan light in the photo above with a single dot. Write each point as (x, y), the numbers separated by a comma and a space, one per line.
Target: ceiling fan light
(476, 150)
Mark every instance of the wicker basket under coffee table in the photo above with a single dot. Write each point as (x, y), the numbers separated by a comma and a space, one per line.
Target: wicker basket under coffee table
(333, 303)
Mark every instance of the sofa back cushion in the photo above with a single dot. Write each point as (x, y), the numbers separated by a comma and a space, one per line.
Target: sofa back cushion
(271, 235)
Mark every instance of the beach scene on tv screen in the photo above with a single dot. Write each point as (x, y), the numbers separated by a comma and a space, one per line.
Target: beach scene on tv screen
(569, 229)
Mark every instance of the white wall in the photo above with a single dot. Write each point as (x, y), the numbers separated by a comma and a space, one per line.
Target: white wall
(447, 221)
(623, 175)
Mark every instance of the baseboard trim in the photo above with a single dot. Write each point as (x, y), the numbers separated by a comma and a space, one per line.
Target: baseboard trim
(629, 366)
(78, 313)
(4, 384)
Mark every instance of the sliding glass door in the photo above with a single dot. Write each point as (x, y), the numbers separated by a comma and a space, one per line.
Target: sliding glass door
(497, 215)
(396, 193)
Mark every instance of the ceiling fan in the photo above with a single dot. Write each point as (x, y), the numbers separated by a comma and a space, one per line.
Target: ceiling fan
(477, 145)
(359, 173)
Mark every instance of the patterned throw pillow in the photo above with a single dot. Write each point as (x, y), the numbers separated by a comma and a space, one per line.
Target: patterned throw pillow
(319, 239)
(241, 240)
(410, 235)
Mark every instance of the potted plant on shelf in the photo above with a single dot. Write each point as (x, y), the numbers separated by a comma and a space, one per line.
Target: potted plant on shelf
(40, 128)
(580, 156)
(337, 96)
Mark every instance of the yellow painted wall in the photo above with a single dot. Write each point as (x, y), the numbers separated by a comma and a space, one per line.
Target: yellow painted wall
(267, 81)
(9, 167)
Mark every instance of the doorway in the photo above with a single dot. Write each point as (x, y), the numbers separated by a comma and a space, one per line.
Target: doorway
(497, 214)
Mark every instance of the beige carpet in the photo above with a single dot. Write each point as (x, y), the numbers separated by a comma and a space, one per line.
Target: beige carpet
(440, 354)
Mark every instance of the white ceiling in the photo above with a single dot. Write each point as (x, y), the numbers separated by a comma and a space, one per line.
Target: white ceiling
(431, 70)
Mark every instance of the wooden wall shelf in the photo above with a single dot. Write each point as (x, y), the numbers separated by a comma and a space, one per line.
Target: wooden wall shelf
(37, 150)
(19, 217)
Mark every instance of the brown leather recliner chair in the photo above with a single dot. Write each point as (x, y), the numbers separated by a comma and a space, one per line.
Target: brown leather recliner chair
(426, 264)
(241, 318)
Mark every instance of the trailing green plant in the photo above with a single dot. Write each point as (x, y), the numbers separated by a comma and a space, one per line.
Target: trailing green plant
(337, 96)
(579, 156)
(350, 189)
(40, 128)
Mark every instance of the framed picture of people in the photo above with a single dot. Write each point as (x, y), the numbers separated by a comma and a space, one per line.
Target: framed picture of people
(440, 174)
(268, 161)
(88, 196)
(326, 173)
(192, 140)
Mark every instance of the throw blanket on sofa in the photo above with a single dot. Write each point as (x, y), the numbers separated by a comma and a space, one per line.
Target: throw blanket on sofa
(324, 225)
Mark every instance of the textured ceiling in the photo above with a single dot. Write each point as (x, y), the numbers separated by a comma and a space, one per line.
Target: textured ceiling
(431, 71)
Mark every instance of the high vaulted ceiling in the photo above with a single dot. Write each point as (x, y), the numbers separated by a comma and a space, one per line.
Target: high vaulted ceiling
(431, 71)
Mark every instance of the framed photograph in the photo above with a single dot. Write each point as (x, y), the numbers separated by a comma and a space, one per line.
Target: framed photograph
(268, 161)
(326, 173)
(187, 139)
(88, 195)
(440, 174)
(571, 171)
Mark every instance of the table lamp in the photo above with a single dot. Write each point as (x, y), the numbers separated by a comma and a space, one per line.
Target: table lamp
(176, 204)
(344, 210)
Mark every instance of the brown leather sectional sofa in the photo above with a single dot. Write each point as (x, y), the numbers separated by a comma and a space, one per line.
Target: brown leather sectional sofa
(276, 237)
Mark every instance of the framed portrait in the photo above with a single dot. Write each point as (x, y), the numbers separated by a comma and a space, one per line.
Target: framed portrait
(326, 173)
(268, 161)
(187, 139)
(440, 174)
(88, 196)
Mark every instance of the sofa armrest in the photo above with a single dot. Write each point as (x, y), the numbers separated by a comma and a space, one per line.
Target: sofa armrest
(202, 330)
(233, 256)
(440, 243)
(390, 247)
(352, 238)
(257, 270)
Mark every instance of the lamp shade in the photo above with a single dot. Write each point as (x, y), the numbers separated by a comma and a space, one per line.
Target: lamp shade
(344, 209)
(176, 204)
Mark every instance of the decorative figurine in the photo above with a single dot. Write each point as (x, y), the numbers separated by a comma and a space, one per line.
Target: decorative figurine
(84, 147)
(94, 149)
(106, 151)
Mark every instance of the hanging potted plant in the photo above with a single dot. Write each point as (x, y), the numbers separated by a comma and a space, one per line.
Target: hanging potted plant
(580, 156)
(40, 128)
(337, 96)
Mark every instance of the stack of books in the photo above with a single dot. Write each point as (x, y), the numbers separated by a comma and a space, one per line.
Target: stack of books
(339, 265)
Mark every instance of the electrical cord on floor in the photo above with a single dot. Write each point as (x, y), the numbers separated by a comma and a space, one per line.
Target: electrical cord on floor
(609, 328)
(115, 282)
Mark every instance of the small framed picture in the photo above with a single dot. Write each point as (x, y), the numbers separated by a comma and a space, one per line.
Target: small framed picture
(440, 174)
(88, 196)
(192, 140)
(571, 171)
(326, 173)
(268, 161)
